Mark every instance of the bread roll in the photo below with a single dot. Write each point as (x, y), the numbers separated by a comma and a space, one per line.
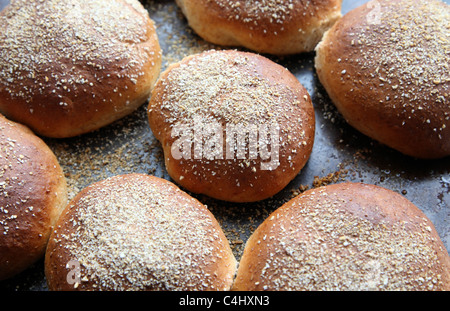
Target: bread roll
(341, 237)
(137, 232)
(234, 125)
(32, 195)
(266, 26)
(385, 65)
(70, 67)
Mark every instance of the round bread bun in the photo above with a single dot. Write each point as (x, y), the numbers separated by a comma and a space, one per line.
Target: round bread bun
(385, 65)
(138, 232)
(233, 125)
(347, 236)
(32, 195)
(279, 27)
(72, 66)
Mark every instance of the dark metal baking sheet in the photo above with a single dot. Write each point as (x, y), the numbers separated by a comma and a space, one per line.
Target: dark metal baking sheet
(340, 153)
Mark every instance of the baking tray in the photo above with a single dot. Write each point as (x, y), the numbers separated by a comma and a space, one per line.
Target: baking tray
(340, 153)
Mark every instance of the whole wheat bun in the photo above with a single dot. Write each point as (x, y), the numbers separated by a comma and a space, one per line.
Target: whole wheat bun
(385, 65)
(137, 232)
(238, 91)
(347, 236)
(32, 194)
(278, 27)
(70, 67)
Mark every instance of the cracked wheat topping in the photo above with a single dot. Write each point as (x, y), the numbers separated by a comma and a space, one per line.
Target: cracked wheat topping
(229, 88)
(27, 183)
(331, 239)
(223, 91)
(406, 50)
(64, 45)
(14, 204)
(134, 232)
(266, 14)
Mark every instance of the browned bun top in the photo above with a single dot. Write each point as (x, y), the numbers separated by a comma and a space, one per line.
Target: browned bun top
(266, 26)
(347, 236)
(217, 96)
(386, 67)
(32, 195)
(138, 232)
(70, 67)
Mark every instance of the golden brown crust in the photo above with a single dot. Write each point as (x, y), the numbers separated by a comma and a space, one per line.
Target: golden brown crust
(232, 89)
(347, 236)
(86, 69)
(270, 26)
(138, 232)
(32, 194)
(385, 66)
